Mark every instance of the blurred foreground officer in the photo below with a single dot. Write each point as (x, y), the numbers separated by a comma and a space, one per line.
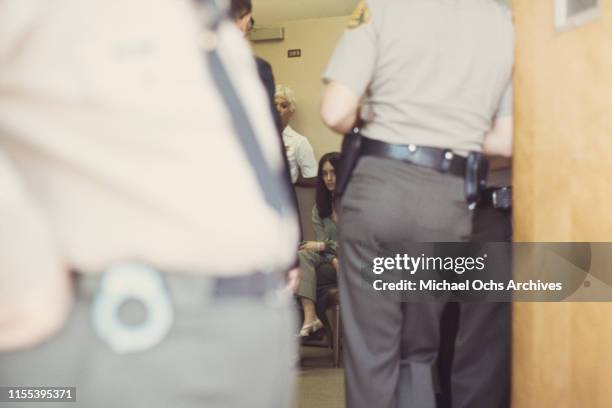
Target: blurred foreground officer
(128, 183)
(434, 74)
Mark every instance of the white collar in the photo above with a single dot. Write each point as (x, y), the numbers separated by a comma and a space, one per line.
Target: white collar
(289, 132)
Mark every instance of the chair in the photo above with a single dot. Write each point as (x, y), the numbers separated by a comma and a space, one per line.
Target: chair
(328, 301)
(335, 334)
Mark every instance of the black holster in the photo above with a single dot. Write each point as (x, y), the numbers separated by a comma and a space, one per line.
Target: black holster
(351, 149)
(476, 169)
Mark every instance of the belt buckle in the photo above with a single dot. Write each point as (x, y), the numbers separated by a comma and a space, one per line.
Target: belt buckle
(118, 285)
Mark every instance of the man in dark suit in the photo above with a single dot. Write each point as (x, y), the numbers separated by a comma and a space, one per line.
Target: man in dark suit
(241, 12)
(267, 78)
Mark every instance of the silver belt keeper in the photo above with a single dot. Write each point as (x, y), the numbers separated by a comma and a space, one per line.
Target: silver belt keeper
(137, 282)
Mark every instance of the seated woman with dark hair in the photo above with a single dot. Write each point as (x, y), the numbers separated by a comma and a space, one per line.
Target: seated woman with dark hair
(312, 254)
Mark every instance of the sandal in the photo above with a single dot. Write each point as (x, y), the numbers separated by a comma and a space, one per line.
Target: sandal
(310, 328)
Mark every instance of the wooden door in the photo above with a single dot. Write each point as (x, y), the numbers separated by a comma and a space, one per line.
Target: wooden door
(563, 192)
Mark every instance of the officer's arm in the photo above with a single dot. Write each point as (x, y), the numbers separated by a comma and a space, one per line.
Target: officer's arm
(35, 283)
(498, 141)
(339, 107)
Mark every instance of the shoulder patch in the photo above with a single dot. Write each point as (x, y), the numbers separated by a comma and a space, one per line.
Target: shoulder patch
(361, 15)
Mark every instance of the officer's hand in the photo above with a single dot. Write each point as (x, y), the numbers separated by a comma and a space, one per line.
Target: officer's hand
(294, 276)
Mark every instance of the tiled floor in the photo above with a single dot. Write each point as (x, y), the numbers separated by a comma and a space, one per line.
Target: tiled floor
(320, 384)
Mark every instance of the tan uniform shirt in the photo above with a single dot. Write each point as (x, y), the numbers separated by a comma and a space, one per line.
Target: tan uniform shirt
(434, 71)
(115, 145)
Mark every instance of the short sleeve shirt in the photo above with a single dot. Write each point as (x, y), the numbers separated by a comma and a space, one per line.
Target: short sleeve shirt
(434, 72)
(299, 155)
(110, 115)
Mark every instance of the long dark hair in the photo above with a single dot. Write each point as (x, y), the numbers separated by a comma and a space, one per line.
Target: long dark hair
(323, 196)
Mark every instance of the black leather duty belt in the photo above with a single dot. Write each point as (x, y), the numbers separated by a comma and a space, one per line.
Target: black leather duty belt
(256, 284)
(496, 197)
(442, 160)
(161, 295)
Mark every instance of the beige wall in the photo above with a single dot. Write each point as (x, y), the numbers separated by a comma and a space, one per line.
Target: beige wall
(563, 191)
(317, 39)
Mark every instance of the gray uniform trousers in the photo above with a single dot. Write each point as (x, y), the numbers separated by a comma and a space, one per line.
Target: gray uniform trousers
(391, 347)
(232, 352)
(485, 330)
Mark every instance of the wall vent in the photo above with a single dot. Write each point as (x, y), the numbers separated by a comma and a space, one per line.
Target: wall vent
(574, 13)
(267, 33)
